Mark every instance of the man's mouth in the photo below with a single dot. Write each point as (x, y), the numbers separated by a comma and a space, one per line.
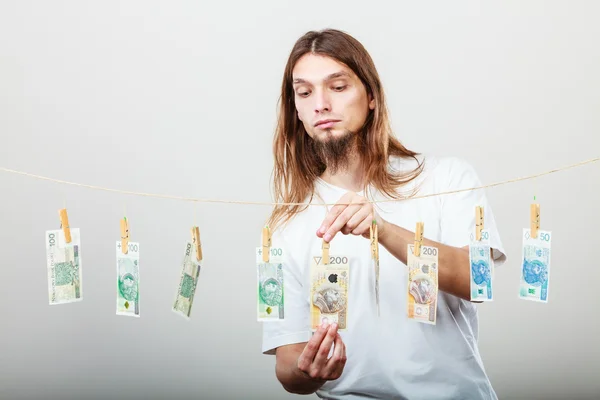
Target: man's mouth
(326, 123)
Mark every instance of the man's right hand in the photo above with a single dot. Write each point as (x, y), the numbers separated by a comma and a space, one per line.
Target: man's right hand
(302, 368)
(313, 362)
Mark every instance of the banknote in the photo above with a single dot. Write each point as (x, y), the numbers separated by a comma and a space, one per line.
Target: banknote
(375, 261)
(423, 284)
(482, 267)
(535, 267)
(190, 271)
(270, 295)
(376, 265)
(329, 291)
(64, 267)
(128, 280)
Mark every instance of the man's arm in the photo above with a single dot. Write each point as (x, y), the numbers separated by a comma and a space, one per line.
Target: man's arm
(288, 374)
(302, 368)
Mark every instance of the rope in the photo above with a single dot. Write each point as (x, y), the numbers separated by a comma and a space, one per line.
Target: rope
(199, 200)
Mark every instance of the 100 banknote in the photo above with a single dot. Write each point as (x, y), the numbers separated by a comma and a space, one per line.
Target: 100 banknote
(128, 280)
(188, 282)
(63, 262)
(270, 294)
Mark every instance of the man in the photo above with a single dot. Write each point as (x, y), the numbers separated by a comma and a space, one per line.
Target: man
(334, 145)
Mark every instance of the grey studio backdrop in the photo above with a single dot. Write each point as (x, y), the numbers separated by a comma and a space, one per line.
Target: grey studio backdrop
(179, 98)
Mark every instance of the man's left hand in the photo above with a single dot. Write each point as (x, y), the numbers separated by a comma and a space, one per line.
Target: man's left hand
(352, 214)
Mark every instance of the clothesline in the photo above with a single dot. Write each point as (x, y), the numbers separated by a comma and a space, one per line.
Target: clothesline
(200, 200)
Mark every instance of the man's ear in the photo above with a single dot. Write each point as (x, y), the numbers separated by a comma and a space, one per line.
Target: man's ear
(371, 102)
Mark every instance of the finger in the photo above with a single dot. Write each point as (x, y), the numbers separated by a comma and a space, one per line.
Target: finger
(312, 347)
(343, 359)
(364, 213)
(356, 203)
(340, 222)
(335, 211)
(364, 225)
(336, 363)
(321, 357)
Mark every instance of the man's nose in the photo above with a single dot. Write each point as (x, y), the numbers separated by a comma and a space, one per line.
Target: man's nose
(322, 101)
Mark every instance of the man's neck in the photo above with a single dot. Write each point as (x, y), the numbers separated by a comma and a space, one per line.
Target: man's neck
(350, 178)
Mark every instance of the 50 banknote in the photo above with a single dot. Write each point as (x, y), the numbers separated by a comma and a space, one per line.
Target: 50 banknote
(535, 266)
(270, 305)
(128, 279)
(482, 267)
(63, 262)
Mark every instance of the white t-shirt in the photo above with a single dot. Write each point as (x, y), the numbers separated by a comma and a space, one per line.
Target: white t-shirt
(391, 357)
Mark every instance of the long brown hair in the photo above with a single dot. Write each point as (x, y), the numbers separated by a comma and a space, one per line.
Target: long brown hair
(296, 167)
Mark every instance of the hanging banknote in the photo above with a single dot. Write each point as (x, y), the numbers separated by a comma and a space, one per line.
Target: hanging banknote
(376, 267)
(64, 267)
(128, 280)
(423, 284)
(535, 267)
(329, 292)
(190, 271)
(270, 294)
(375, 260)
(482, 267)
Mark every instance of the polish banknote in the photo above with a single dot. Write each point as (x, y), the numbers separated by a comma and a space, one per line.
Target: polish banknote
(270, 294)
(376, 267)
(128, 280)
(423, 284)
(64, 267)
(190, 271)
(375, 261)
(482, 267)
(329, 292)
(535, 267)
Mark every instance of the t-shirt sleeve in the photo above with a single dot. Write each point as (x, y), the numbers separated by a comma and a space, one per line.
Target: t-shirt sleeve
(458, 209)
(294, 328)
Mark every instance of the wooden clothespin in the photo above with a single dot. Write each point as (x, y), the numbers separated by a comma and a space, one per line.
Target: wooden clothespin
(478, 222)
(374, 240)
(535, 219)
(196, 242)
(64, 224)
(325, 255)
(266, 243)
(418, 238)
(124, 235)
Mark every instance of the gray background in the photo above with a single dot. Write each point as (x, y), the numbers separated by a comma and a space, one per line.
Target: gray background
(180, 98)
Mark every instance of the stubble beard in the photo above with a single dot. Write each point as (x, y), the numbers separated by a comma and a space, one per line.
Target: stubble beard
(335, 152)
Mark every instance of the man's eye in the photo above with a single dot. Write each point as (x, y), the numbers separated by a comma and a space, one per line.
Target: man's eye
(340, 88)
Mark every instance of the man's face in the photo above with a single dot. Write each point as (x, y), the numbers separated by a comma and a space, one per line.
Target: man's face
(330, 99)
